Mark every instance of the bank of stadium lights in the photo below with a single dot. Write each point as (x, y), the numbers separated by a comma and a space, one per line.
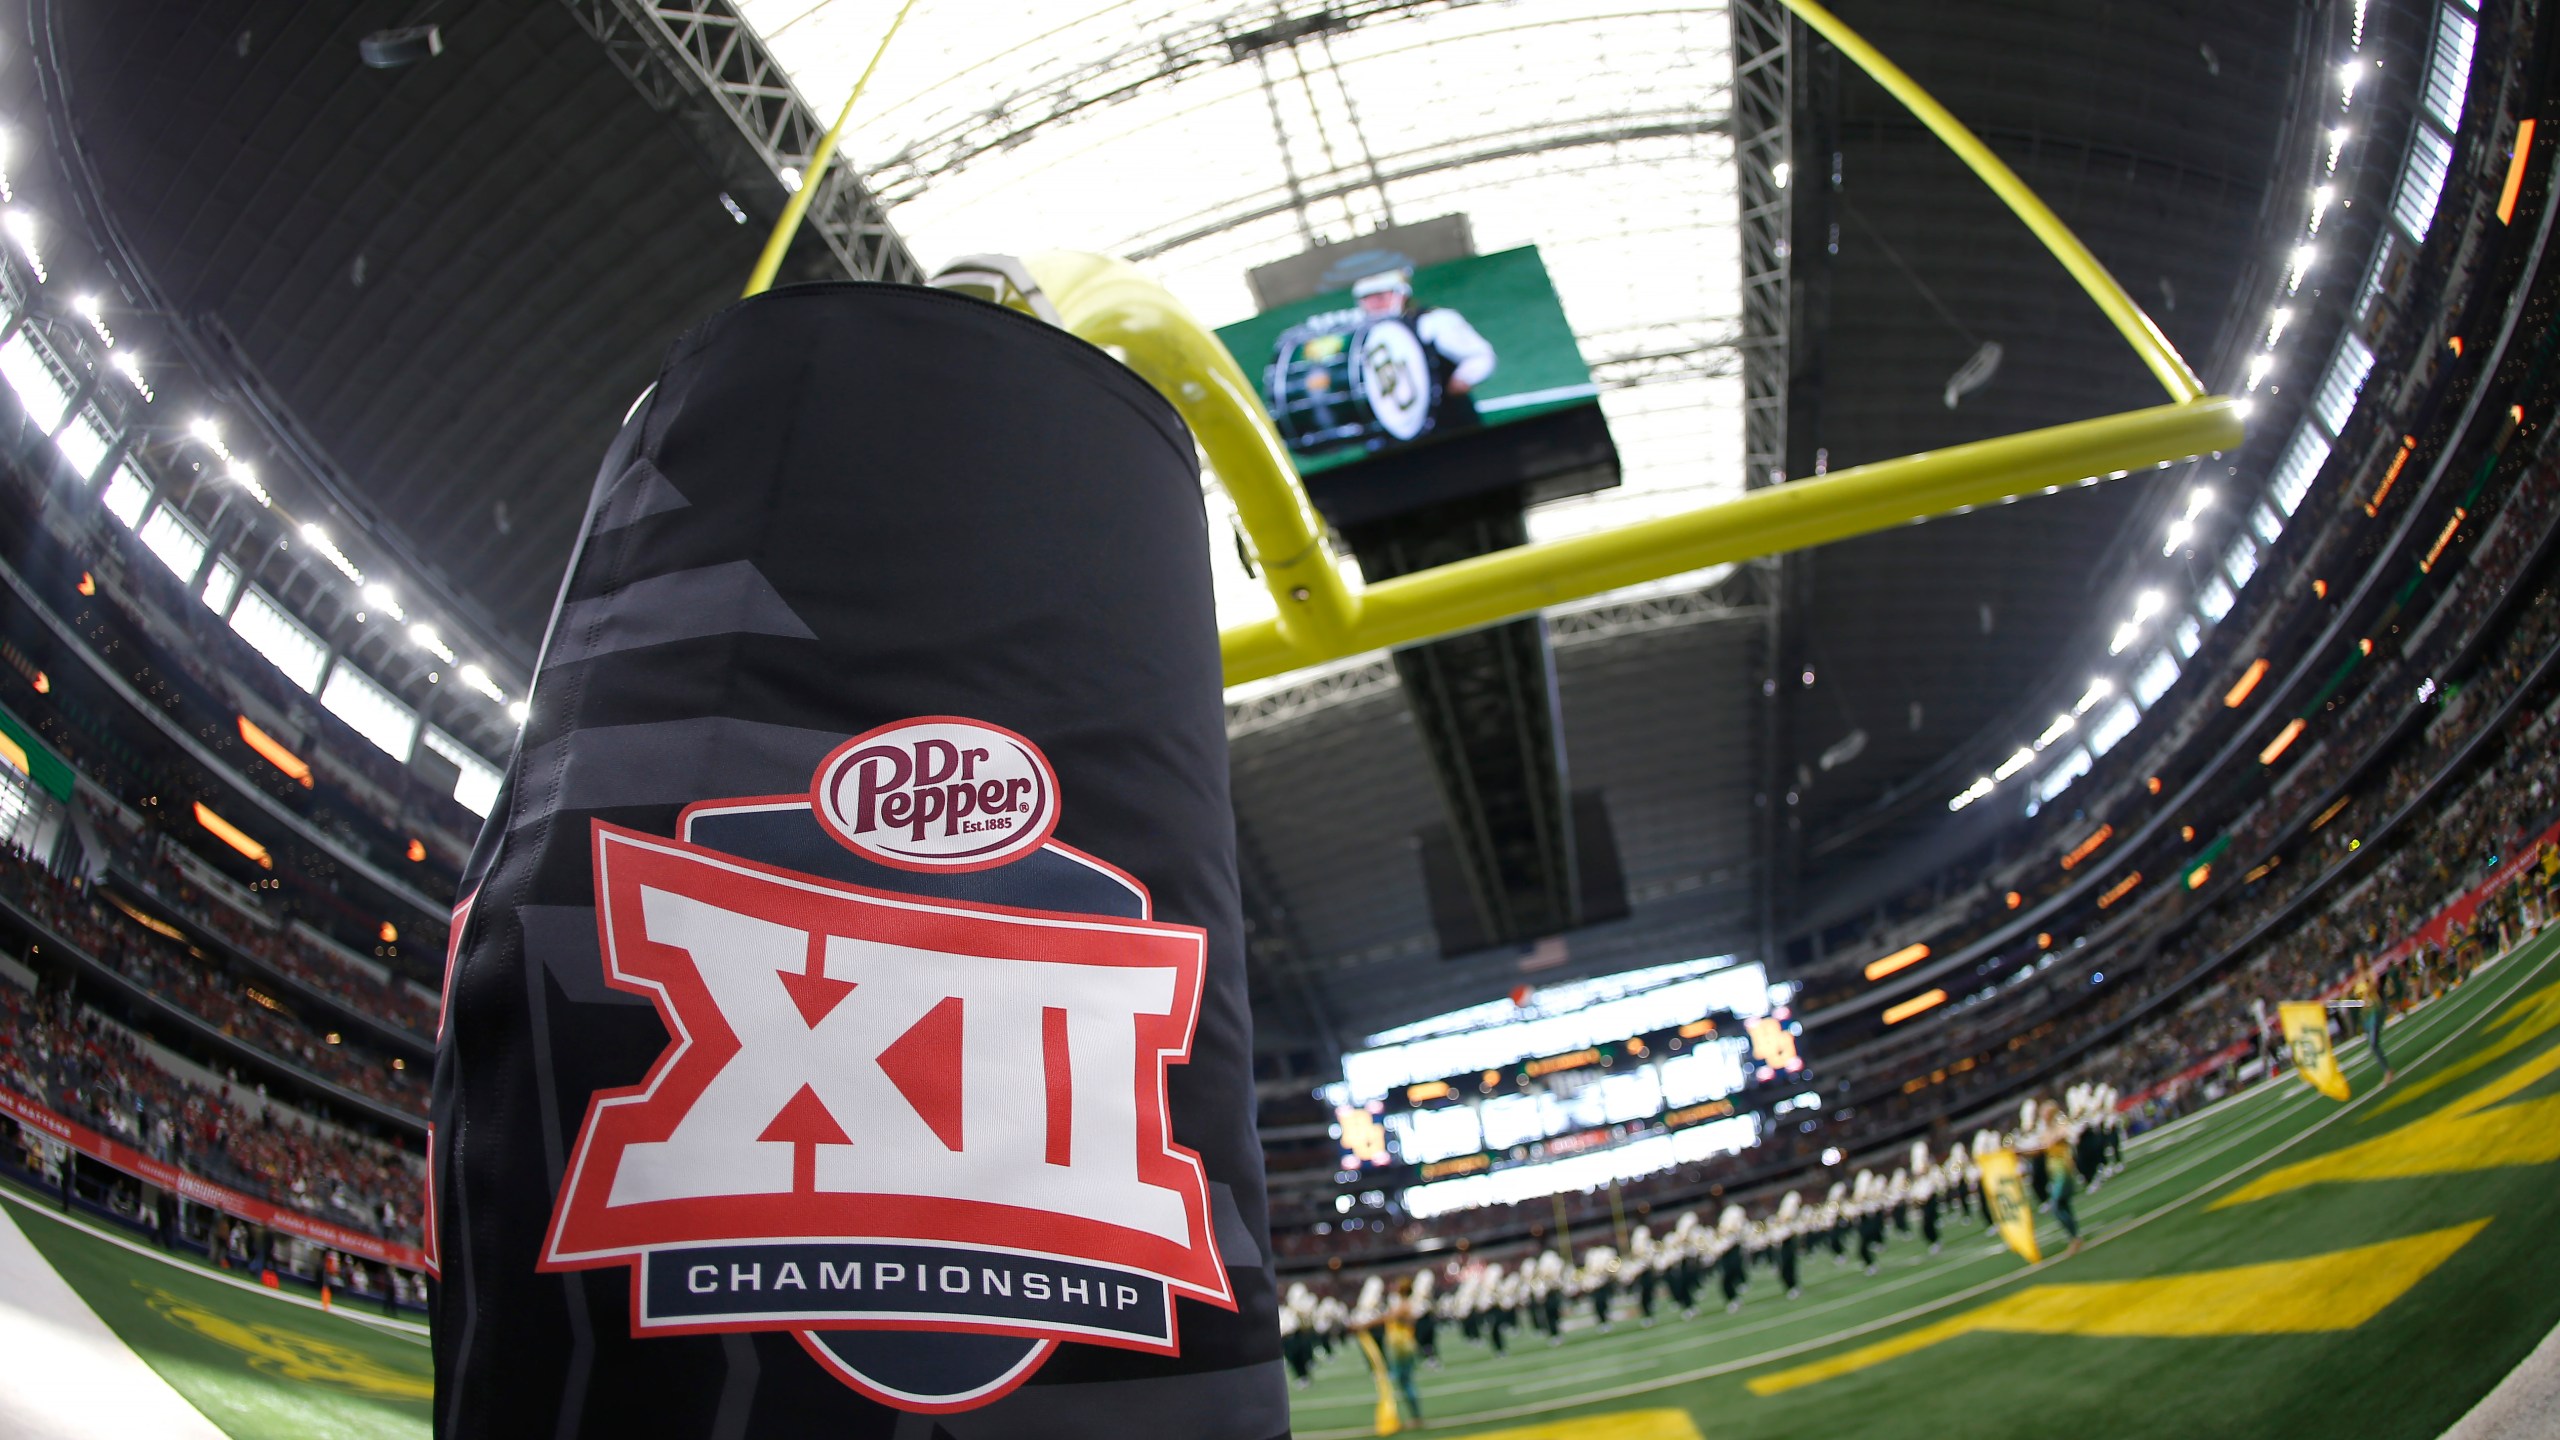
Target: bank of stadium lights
(2299, 262)
(379, 597)
(21, 226)
(479, 681)
(2145, 605)
(318, 539)
(424, 636)
(2183, 529)
(95, 314)
(129, 365)
(2060, 727)
(2298, 266)
(1781, 173)
(519, 711)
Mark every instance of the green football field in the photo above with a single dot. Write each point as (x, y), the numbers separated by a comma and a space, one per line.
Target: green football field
(2280, 1265)
(2386, 1263)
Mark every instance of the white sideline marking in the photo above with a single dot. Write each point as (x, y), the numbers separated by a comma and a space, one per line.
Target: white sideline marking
(352, 1311)
(2525, 1406)
(68, 1376)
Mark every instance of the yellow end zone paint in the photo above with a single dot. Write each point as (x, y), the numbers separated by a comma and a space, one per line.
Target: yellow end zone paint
(1628, 1425)
(2337, 1291)
(289, 1354)
(2458, 1138)
(2534, 1016)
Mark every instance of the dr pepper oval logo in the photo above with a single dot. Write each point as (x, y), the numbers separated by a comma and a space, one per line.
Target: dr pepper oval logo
(938, 793)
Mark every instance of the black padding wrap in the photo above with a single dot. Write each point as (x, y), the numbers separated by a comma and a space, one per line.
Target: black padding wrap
(845, 507)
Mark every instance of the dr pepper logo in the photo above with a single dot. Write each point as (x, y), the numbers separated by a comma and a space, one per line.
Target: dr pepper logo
(938, 793)
(881, 1111)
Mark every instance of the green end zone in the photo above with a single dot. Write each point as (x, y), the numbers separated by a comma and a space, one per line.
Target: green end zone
(2374, 1292)
(2372, 1269)
(259, 1367)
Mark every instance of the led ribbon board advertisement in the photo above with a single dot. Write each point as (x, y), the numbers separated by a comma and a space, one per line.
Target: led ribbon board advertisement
(1406, 359)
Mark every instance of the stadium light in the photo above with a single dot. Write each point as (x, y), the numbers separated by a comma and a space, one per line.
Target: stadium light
(2099, 689)
(2015, 763)
(424, 636)
(22, 229)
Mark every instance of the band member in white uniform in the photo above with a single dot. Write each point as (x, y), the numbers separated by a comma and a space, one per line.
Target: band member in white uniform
(1460, 358)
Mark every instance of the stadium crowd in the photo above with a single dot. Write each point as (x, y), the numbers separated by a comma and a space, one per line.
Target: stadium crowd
(87, 1069)
(118, 938)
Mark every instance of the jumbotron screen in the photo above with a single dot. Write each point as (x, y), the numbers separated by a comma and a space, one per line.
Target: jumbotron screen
(1541, 1088)
(1406, 357)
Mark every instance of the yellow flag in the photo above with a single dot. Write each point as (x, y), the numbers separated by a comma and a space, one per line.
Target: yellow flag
(2306, 1033)
(1388, 1420)
(2005, 1191)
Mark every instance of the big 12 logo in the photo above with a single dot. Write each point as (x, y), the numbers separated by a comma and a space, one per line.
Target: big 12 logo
(912, 1108)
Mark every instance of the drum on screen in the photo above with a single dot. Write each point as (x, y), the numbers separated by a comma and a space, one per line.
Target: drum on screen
(1366, 387)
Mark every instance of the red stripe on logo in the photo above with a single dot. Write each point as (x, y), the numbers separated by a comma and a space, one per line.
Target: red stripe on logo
(1060, 1085)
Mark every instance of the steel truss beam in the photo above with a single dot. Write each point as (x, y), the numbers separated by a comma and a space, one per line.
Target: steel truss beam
(1141, 65)
(696, 55)
(1388, 170)
(1582, 623)
(1763, 106)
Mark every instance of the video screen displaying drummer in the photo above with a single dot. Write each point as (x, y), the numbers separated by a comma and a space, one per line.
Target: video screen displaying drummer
(1388, 371)
(1460, 358)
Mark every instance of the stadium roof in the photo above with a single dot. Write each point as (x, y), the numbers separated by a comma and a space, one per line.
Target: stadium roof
(458, 274)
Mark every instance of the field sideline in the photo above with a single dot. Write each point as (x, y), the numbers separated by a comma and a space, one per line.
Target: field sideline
(2393, 1270)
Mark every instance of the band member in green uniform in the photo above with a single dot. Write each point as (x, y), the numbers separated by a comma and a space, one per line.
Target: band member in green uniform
(2053, 1142)
(2376, 996)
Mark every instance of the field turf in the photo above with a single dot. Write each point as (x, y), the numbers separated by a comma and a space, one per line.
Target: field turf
(2279, 1265)
(2178, 1319)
